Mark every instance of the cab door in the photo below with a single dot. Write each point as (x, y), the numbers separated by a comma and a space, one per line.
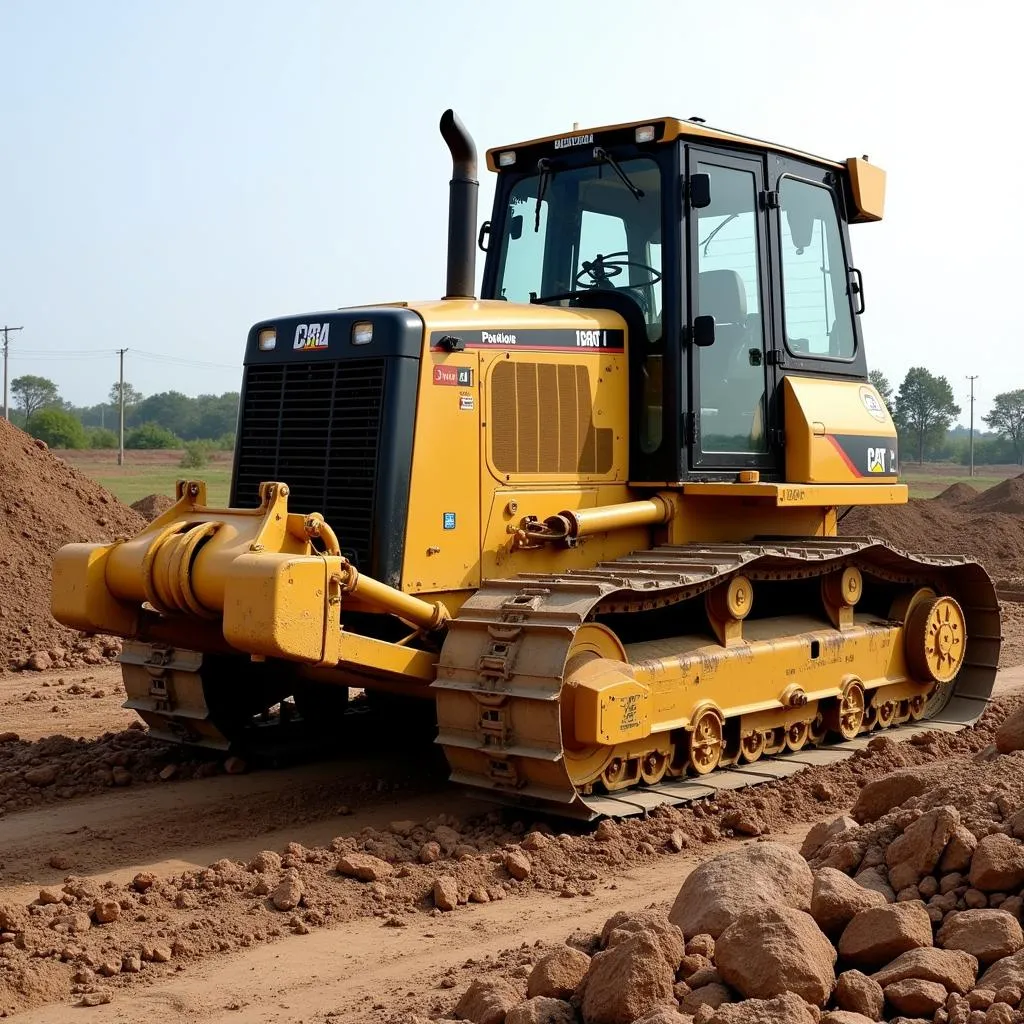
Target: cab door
(731, 380)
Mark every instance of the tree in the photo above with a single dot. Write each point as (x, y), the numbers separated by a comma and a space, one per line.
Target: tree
(882, 386)
(151, 435)
(924, 407)
(33, 393)
(58, 428)
(171, 409)
(101, 437)
(132, 396)
(1007, 419)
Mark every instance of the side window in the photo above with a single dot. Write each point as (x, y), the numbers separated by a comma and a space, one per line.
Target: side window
(815, 303)
(524, 255)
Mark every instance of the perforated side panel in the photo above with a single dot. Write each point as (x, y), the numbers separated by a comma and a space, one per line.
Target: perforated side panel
(543, 420)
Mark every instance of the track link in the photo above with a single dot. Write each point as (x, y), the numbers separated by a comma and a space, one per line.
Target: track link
(500, 674)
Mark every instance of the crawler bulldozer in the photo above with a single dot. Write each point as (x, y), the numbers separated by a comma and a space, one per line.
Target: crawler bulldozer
(591, 515)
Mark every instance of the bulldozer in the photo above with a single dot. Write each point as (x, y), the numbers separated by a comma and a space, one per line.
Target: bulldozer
(591, 515)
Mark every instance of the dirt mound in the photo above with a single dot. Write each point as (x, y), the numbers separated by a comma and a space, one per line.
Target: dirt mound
(954, 494)
(46, 504)
(153, 505)
(1006, 497)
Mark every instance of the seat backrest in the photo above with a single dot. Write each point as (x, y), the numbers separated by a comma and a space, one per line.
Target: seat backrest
(722, 294)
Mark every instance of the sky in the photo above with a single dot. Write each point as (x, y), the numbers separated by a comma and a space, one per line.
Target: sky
(172, 172)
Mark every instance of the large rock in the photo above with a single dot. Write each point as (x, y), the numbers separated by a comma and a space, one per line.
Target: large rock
(542, 1010)
(784, 1009)
(822, 832)
(626, 982)
(774, 950)
(872, 878)
(364, 867)
(712, 994)
(1005, 973)
(959, 851)
(916, 852)
(997, 864)
(836, 899)
(755, 876)
(988, 935)
(952, 968)
(915, 998)
(558, 973)
(487, 1001)
(1010, 735)
(845, 1017)
(664, 1015)
(860, 994)
(624, 924)
(880, 934)
(882, 795)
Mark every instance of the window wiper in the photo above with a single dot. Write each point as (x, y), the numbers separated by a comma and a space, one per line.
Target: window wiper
(603, 154)
(546, 172)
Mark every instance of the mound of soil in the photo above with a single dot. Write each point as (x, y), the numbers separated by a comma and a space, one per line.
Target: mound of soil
(1006, 497)
(153, 505)
(46, 503)
(954, 494)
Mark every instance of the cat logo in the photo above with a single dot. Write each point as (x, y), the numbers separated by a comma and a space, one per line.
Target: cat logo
(876, 460)
(311, 336)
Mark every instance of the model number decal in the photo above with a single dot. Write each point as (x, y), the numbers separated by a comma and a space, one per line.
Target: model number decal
(454, 376)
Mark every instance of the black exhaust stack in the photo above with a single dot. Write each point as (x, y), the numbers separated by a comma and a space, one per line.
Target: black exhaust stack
(461, 209)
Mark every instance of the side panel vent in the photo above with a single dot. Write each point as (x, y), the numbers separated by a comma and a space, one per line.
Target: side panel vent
(543, 422)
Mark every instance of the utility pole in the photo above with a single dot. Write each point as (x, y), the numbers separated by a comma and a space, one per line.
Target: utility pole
(7, 414)
(972, 380)
(120, 447)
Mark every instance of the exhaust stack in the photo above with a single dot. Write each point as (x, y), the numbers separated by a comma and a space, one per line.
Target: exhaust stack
(462, 199)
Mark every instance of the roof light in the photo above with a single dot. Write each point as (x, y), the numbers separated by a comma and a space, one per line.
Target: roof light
(645, 133)
(362, 333)
(507, 159)
(267, 339)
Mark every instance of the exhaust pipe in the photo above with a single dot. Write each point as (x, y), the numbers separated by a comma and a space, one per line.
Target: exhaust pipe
(462, 198)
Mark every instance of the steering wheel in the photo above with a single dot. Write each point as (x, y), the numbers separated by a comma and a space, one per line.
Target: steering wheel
(603, 268)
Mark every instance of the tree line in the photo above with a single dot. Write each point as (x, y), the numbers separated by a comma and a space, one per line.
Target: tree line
(165, 420)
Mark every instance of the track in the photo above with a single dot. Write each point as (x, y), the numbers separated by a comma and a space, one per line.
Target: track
(501, 670)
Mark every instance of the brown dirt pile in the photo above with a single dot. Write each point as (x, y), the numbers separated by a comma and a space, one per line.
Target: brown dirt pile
(46, 504)
(434, 867)
(152, 505)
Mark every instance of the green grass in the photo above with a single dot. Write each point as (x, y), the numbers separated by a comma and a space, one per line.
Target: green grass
(128, 484)
(926, 483)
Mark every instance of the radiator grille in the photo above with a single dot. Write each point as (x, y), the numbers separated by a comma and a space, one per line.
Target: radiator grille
(315, 427)
(543, 420)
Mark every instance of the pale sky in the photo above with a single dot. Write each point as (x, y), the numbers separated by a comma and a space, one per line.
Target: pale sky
(172, 172)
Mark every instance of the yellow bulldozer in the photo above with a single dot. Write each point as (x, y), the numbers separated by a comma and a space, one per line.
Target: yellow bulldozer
(590, 515)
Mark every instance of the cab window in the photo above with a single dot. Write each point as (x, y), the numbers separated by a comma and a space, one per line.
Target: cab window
(816, 307)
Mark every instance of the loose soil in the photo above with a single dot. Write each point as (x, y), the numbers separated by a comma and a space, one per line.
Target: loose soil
(46, 504)
(153, 505)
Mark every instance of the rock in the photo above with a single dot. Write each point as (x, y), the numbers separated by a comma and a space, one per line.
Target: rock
(823, 831)
(364, 867)
(845, 1017)
(872, 878)
(518, 864)
(758, 875)
(836, 899)
(48, 896)
(858, 993)
(959, 851)
(106, 911)
(773, 950)
(265, 862)
(712, 994)
(742, 822)
(988, 935)
(626, 981)
(39, 661)
(446, 893)
(144, 881)
(705, 976)
(97, 997)
(487, 1001)
(235, 766)
(288, 893)
(429, 852)
(121, 776)
(44, 775)
(701, 945)
(975, 899)
(915, 997)
(1000, 1013)
(625, 924)
(882, 795)
(879, 934)
(845, 856)
(12, 918)
(161, 954)
(71, 923)
(951, 968)
(535, 841)
(785, 1009)
(997, 864)
(542, 1010)
(916, 852)
(1010, 734)
(1005, 973)
(664, 1015)
(558, 974)
(131, 964)
(168, 772)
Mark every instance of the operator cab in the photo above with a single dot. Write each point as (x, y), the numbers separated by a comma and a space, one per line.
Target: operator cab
(728, 258)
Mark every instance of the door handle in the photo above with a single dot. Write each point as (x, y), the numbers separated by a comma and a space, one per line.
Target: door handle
(857, 288)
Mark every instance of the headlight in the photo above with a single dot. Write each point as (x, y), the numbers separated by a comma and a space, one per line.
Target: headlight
(267, 339)
(362, 333)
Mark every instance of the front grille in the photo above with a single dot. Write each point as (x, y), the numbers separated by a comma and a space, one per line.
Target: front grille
(315, 427)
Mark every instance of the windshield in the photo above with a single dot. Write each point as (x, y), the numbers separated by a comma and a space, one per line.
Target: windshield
(589, 231)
